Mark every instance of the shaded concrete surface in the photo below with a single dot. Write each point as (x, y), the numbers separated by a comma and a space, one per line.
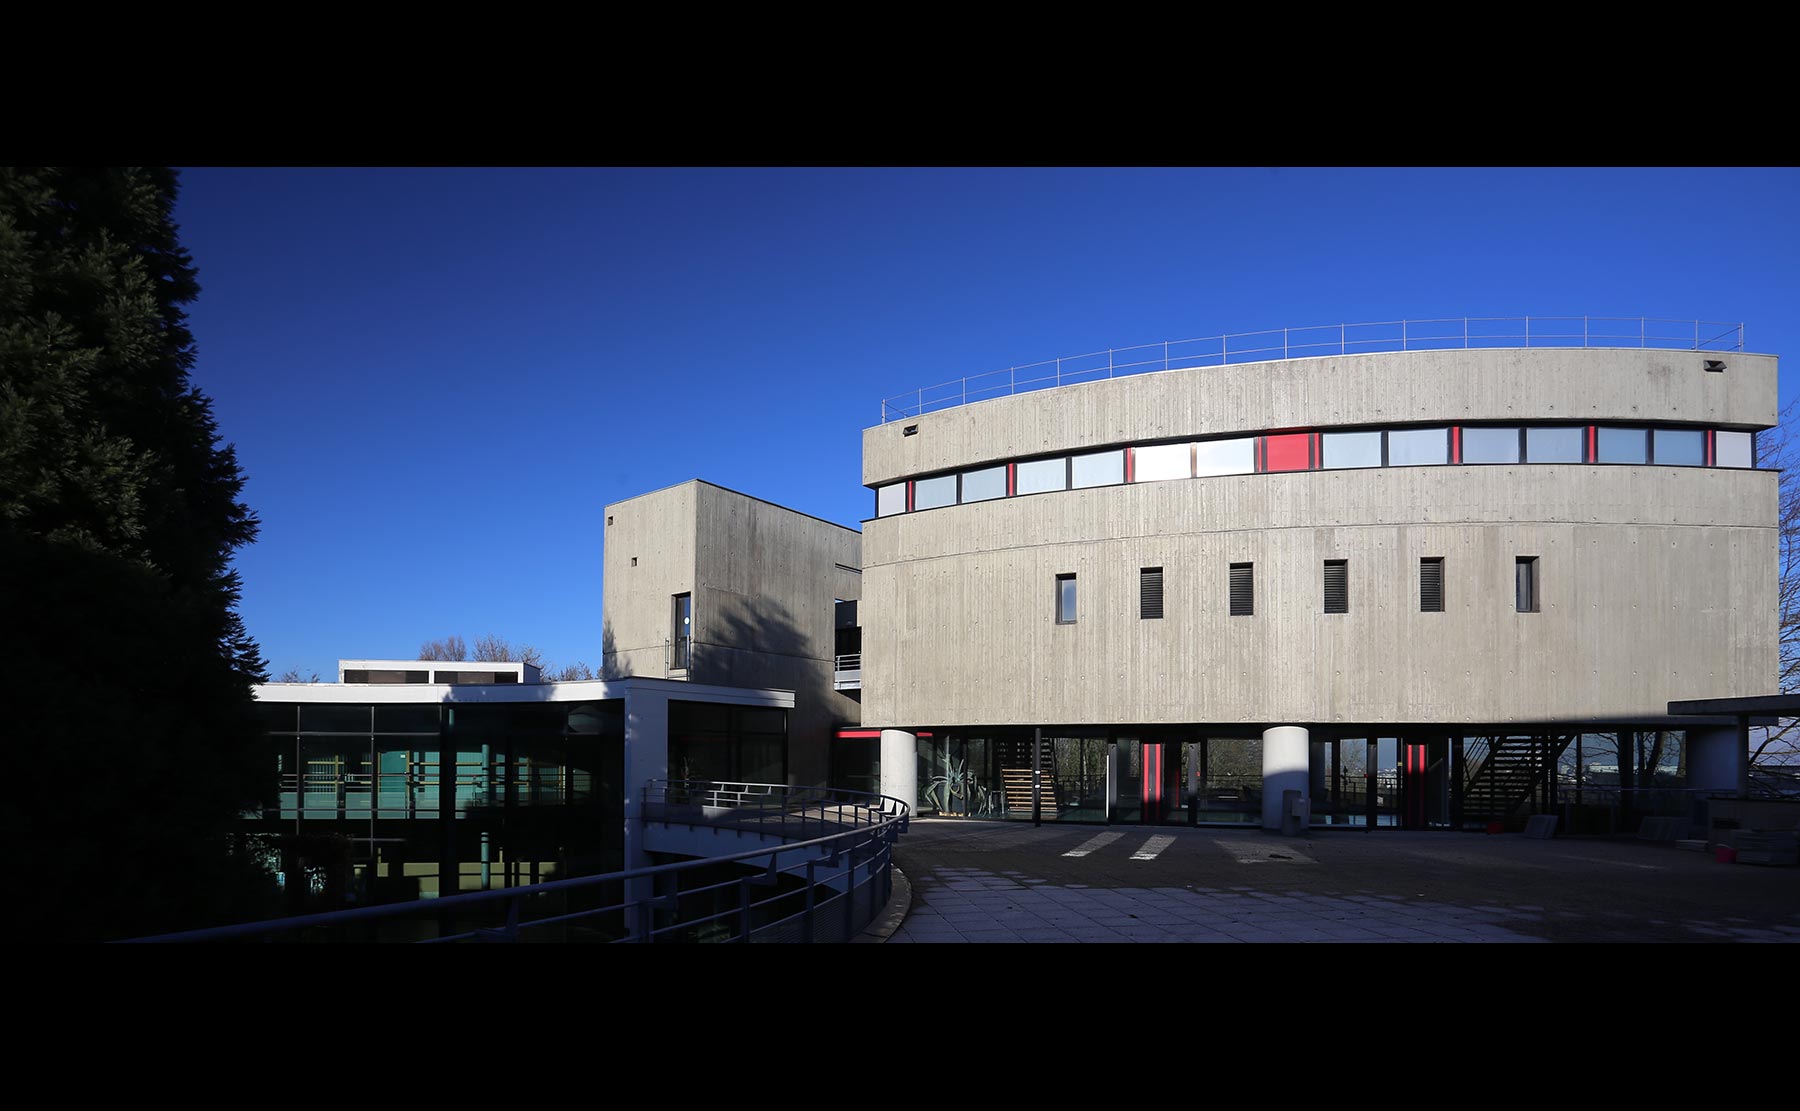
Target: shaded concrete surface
(1006, 882)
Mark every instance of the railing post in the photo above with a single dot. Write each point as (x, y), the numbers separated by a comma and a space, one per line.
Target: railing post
(1640, 331)
(1059, 370)
(744, 910)
(1109, 362)
(806, 920)
(1584, 331)
(1528, 331)
(1403, 335)
(1465, 333)
(1284, 343)
(512, 918)
(1341, 338)
(1165, 354)
(1696, 335)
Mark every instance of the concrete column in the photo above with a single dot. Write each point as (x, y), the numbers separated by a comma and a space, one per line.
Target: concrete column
(1714, 759)
(1285, 749)
(900, 766)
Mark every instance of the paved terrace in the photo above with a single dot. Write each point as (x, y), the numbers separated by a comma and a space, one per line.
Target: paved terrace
(1006, 882)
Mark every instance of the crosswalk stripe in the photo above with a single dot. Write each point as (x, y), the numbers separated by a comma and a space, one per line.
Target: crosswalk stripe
(1093, 844)
(1153, 847)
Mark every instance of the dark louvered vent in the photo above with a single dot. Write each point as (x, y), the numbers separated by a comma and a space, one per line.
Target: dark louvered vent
(1431, 585)
(1150, 593)
(1243, 589)
(1337, 586)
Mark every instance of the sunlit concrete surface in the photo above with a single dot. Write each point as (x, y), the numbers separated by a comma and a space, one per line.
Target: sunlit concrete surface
(1005, 882)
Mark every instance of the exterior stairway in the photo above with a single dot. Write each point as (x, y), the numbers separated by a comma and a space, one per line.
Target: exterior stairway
(1504, 771)
(1015, 777)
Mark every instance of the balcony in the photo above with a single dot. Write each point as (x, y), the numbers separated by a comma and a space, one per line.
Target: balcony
(846, 672)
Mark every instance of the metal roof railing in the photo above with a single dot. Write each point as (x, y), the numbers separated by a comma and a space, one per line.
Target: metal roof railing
(829, 878)
(1274, 345)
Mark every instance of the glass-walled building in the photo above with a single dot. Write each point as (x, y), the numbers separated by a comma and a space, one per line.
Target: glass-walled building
(393, 788)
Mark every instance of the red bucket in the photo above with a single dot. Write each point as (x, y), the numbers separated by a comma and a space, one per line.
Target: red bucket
(1496, 827)
(1725, 854)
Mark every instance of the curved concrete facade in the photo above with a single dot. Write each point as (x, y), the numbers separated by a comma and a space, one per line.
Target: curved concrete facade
(1655, 582)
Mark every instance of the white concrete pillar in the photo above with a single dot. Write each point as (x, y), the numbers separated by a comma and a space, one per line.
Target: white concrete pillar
(1285, 750)
(1715, 760)
(900, 766)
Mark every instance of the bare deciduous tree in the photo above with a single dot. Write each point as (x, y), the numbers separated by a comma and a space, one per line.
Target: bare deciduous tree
(497, 649)
(292, 675)
(1778, 448)
(445, 648)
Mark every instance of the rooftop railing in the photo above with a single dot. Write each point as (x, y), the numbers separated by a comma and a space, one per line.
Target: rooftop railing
(1449, 333)
(827, 884)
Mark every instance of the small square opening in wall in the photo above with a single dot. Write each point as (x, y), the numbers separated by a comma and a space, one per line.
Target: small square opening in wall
(634, 561)
(609, 518)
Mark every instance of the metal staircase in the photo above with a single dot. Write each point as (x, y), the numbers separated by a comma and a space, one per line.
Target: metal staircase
(1503, 772)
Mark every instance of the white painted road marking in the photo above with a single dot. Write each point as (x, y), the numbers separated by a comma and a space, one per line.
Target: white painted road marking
(1153, 847)
(1094, 844)
(1248, 853)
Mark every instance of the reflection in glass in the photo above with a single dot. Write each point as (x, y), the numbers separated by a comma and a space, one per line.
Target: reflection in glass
(1040, 475)
(1163, 461)
(1732, 449)
(1418, 447)
(1680, 447)
(931, 493)
(1490, 445)
(1624, 445)
(984, 485)
(1352, 449)
(1555, 445)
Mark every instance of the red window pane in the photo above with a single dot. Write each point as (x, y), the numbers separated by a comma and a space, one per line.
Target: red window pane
(1289, 452)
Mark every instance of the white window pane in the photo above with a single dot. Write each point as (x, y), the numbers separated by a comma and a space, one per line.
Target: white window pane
(1556, 445)
(1043, 474)
(984, 485)
(1683, 447)
(929, 493)
(1732, 449)
(1225, 457)
(1419, 447)
(1623, 445)
(1490, 445)
(1099, 468)
(890, 500)
(1352, 449)
(1152, 464)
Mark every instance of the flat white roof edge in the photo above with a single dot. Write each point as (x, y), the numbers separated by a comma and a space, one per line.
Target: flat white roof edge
(583, 690)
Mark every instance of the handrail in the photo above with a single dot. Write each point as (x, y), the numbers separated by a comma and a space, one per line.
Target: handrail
(1321, 340)
(847, 661)
(867, 824)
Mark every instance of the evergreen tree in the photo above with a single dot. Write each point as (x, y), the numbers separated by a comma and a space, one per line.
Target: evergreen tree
(125, 669)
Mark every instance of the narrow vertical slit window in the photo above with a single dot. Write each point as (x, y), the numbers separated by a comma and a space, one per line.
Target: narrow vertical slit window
(684, 633)
(1150, 593)
(1337, 586)
(1243, 590)
(1065, 599)
(1525, 583)
(1431, 584)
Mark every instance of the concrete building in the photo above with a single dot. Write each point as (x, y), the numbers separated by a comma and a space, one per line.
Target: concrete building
(1425, 589)
(708, 585)
(1410, 586)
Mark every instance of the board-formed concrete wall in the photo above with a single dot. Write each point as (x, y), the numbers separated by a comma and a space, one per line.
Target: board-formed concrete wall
(764, 580)
(1511, 384)
(1657, 583)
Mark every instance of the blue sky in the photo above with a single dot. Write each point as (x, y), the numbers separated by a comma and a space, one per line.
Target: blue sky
(436, 378)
